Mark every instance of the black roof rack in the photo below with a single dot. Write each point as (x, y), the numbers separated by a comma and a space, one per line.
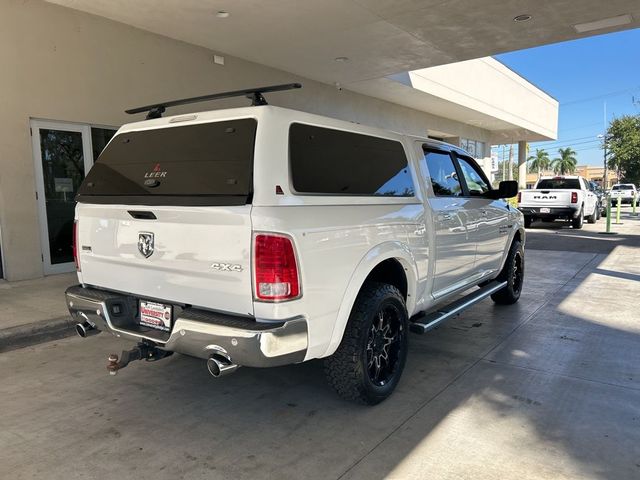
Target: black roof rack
(254, 94)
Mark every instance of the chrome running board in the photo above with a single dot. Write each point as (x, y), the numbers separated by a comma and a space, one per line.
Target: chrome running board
(433, 319)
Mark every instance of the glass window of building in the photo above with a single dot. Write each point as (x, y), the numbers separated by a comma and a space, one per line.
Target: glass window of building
(475, 148)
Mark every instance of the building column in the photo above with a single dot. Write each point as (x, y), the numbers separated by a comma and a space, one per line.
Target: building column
(522, 165)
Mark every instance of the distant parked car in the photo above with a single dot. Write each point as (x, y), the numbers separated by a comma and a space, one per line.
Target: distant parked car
(626, 192)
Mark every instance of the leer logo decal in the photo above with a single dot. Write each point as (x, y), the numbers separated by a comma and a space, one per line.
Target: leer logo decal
(145, 243)
(157, 172)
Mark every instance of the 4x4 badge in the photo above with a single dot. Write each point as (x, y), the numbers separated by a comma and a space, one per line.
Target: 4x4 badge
(145, 243)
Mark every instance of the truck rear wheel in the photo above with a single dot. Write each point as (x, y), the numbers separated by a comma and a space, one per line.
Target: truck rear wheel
(528, 220)
(513, 274)
(368, 364)
(578, 221)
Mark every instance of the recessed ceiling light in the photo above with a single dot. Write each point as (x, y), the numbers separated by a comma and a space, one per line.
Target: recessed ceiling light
(525, 17)
(222, 14)
(604, 23)
(341, 59)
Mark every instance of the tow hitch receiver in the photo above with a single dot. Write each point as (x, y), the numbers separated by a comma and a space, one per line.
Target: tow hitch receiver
(148, 352)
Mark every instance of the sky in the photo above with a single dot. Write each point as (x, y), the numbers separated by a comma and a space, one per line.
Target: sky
(583, 75)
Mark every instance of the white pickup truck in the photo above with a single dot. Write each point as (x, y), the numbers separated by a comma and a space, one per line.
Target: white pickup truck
(561, 197)
(626, 192)
(263, 236)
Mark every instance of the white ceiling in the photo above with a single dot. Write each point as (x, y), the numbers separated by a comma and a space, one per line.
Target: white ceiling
(380, 37)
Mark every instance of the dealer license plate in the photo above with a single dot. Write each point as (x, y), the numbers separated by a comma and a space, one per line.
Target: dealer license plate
(155, 315)
(545, 210)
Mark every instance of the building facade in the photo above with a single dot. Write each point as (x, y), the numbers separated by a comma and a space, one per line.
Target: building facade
(590, 172)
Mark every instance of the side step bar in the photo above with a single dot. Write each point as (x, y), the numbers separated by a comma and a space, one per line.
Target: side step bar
(433, 319)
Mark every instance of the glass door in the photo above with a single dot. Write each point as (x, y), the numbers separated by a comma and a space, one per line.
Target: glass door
(63, 154)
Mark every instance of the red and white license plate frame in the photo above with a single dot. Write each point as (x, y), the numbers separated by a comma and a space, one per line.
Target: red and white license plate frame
(156, 315)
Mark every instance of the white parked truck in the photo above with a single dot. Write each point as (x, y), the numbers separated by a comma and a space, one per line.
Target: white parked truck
(567, 197)
(264, 236)
(626, 192)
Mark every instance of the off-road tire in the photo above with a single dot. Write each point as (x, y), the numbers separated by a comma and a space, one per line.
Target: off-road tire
(528, 221)
(578, 221)
(346, 370)
(513, 274)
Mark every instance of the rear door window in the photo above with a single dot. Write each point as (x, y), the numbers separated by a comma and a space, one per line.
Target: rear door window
(204, 164)
(335, 162)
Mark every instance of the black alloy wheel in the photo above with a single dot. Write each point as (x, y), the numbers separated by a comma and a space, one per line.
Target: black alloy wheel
(517, 273)
(384, 344)
(369, 361)
(513, 274)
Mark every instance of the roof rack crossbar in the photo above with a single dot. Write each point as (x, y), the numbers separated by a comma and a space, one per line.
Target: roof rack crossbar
(254, 94)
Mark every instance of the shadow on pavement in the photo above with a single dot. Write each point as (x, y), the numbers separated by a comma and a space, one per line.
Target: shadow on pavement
(560, 236)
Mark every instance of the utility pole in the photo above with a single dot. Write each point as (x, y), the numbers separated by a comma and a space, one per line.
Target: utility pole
(606, 172)
(605, 179)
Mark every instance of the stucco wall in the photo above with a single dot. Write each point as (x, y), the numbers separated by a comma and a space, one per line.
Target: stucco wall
(61, 64)
(496, 91)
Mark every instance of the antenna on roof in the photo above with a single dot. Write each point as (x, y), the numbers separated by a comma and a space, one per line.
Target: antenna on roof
(254, 94)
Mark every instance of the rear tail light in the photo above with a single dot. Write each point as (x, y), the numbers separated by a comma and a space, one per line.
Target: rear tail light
(519, 197)
(275, 268)
(76, 259)
(574, 197)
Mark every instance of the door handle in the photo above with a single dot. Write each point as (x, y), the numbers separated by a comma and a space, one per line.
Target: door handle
(446, 216)
(483, 213)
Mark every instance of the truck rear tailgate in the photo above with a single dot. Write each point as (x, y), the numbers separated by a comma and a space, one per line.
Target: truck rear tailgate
(189, 255)
(545, 198)
(165, 213)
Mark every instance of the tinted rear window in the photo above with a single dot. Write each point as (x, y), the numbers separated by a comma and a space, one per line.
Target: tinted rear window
(559, 184)
(205, 164)
(623, 187)
(326, 161)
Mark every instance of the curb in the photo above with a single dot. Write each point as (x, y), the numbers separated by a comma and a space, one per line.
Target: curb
(34, 333)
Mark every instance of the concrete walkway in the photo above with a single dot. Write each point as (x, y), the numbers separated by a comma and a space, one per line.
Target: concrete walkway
(30, 301)
(33, 311)
(546, 388)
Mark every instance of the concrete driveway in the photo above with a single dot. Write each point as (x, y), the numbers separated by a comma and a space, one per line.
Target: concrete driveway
(547, 388)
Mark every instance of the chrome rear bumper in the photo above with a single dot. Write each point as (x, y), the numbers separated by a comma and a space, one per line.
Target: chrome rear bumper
(198, 333)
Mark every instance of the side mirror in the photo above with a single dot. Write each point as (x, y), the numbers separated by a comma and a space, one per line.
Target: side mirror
(506, 189)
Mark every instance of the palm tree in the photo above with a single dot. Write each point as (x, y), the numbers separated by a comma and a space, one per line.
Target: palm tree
(566, 162)
(540, 162)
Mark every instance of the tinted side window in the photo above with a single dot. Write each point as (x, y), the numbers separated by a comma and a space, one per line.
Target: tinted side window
(476, 184)
(334, 162)
(443, 174)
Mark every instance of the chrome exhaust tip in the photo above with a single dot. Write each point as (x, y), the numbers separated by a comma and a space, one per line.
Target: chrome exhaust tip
(85, 329)
(219, 365)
